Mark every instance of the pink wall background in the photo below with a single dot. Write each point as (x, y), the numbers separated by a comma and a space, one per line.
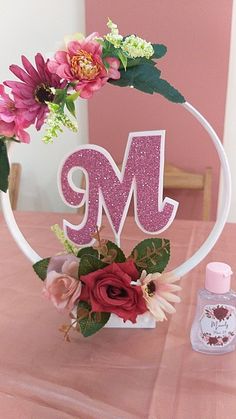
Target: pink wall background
(197, 34)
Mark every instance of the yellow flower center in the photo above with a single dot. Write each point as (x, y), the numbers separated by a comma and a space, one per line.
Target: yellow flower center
(83, 66)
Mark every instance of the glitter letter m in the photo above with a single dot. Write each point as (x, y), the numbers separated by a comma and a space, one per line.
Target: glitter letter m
(109, 188)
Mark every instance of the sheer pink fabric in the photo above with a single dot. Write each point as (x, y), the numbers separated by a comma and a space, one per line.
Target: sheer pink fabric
(115, 374)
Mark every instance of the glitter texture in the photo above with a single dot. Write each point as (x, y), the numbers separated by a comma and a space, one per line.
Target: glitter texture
(107, 187)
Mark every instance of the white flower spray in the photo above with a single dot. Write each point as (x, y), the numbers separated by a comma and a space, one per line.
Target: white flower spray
(132, 45)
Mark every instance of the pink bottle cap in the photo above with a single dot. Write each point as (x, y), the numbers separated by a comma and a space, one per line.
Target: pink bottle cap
(218, 277)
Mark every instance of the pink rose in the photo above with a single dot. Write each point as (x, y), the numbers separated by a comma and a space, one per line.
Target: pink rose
(64, 262)
(82, 64)
(110, 290)
(63, 288)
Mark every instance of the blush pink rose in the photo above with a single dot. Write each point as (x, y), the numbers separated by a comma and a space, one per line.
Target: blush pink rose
(110, 290)
(82, 64)
(63, 288)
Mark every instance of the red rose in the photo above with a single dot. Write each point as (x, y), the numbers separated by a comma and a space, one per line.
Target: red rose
(109, 290)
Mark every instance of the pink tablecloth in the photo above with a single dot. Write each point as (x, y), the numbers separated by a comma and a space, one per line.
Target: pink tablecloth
(115, 374)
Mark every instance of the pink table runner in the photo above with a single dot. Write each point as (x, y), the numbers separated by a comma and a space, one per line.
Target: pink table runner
(115, 374)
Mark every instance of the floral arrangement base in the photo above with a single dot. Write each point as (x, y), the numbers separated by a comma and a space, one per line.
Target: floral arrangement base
(100, 287)
(144, 321)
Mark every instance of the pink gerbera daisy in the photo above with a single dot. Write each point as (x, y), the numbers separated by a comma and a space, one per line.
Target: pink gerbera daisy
(34, 89)
(158, 292)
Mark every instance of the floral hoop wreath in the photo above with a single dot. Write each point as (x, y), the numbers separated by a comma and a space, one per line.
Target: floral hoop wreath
(93, 283)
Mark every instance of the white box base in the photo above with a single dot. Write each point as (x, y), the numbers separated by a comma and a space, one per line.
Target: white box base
(144, 321)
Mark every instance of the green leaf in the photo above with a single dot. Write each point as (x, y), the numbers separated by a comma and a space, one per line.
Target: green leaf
(4, 167)
(159, 50)
(108, 49)
(133, 62)
(71, 107)
(112, 248)
(73, 96)
(169, 92)
(124, 80)
(143, 77)
(152, 255)
(89, 263)
(100, 41)
(147, 79)
(91, 323)
(40, 268)
(120, 256)
(87, 251)
(123, 58)
(106, 64)
(54, 107)
(60, 96)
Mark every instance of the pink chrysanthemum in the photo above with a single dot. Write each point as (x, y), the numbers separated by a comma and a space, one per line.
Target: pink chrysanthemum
(34, 89)
(82, 64)
(158, 292)
(12, 122)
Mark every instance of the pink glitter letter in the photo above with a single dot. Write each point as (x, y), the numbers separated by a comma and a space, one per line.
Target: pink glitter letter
(109, 188)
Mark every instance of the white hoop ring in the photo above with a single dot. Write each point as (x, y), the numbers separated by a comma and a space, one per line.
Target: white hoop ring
(200, 254)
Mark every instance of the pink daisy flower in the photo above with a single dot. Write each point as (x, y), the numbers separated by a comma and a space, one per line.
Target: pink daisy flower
(158, 292)
(82, 64)
(12, 122)
(34, 89)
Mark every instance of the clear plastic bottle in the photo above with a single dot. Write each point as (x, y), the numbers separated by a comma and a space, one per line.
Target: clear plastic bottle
(214, 327)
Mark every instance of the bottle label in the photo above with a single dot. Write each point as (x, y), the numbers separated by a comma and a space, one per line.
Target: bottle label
(218, 325)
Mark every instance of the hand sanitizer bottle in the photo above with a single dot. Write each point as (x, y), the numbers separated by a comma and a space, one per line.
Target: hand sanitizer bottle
(214, 327)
